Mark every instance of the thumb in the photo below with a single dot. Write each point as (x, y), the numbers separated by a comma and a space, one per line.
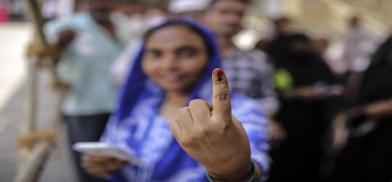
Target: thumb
(221, 104)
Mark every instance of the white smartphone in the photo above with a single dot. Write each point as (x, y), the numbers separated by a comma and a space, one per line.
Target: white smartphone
(105, 149)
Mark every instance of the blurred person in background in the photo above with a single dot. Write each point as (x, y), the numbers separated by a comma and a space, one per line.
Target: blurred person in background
(65, 7)
(321, 46)
(49, 11)
(52, 9)
(359, 44)
(282, 26)
(131, 17)
(135, 18)
(366, 129)
(304, 83)
(189, 8)
(250, 72)
(263, 44)
(88, 42)
(174, 135)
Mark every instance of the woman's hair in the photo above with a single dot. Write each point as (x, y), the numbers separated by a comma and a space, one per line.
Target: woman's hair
(173, 23)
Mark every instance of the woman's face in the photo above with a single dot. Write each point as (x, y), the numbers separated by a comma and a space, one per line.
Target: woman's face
(175, 57)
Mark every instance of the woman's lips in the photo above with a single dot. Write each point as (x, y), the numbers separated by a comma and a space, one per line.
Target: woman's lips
(171, 77)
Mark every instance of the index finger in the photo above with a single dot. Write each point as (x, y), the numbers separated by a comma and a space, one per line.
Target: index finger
(221, 104)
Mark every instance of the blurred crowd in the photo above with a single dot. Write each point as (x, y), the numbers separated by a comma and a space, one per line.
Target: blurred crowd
(329, 117)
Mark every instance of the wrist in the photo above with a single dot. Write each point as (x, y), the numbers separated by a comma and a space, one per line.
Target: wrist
(248, 174)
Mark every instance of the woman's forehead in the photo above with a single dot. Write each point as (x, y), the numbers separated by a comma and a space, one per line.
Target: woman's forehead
(175, 35)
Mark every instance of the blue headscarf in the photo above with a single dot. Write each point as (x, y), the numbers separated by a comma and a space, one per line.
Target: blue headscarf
(135, 86)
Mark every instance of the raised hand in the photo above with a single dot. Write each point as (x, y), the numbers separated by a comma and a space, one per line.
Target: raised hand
(212, 136)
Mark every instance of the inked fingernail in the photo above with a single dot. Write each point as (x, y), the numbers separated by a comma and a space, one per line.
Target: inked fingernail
(220, 75)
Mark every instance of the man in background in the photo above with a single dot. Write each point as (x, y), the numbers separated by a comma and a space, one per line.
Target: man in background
(88, 42)
(249, 72)
(189, 8)
(359, 44)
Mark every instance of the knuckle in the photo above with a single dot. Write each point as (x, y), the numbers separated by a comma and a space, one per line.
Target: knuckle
(181, 114)
(188, 140)
(176, 119)
(222, 96)
(185, 141)
(197, 103)
(206, 131)
(184, 110)
(224, 82)
(220, 127)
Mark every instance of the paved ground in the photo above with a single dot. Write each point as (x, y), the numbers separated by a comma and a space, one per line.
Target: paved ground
(13, 106)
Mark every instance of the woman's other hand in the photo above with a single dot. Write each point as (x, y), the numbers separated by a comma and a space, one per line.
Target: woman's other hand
(101, 166)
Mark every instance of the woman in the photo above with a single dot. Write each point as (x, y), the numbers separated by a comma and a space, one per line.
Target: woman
(368, 154)
(304, 83)
(200, 142)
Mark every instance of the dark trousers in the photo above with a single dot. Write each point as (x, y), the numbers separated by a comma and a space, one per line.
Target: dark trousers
(85, 129)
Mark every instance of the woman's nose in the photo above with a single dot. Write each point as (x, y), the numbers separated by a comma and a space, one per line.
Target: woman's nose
(170, 62)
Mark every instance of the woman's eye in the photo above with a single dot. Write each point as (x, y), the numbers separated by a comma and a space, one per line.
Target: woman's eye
(153, 54)
(186, 53)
